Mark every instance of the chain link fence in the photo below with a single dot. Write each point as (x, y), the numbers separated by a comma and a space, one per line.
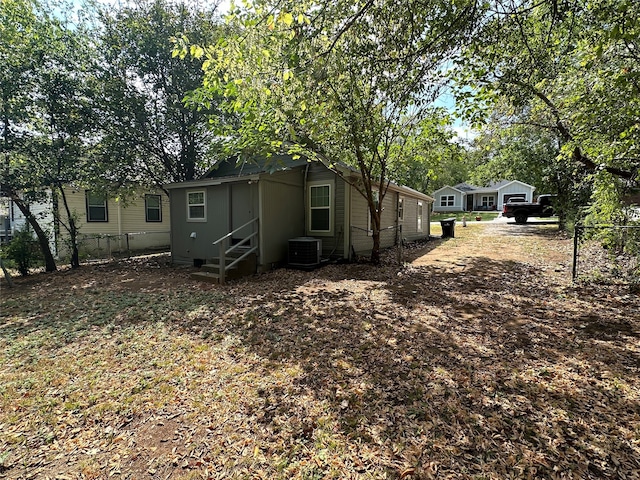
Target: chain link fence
(607, 254)
(106, 247)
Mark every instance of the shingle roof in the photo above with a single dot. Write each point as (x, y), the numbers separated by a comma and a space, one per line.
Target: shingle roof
(465, 187)
(234, 168)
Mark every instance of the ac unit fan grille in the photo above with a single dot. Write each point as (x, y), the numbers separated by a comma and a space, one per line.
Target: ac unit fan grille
(304, 252)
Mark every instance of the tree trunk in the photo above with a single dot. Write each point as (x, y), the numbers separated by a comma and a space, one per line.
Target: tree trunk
(43, 239)
(375, 250)
(7, 275)
(72, 229)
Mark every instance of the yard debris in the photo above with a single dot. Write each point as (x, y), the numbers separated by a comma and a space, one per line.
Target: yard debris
(504, 369)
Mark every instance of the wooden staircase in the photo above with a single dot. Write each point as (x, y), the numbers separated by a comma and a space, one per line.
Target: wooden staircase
(237, 261)
(210, 271)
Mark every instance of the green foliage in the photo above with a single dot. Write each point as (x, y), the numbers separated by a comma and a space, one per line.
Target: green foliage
(334, 81)
(23, 251)
(569, 68)
(150, 135)
(427, 157)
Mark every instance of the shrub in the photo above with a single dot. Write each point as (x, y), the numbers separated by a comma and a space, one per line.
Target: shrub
(23, 250)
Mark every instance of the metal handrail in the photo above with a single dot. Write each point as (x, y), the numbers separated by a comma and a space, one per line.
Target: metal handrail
(235, 231)
(240, 243)
(242, 257)
(223, 251)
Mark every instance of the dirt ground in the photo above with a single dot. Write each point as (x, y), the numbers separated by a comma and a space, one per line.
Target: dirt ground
(476, 357)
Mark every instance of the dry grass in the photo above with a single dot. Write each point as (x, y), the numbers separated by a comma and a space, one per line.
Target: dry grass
(477, 360)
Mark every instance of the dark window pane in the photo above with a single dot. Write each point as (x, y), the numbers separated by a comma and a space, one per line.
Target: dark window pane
(320, 219)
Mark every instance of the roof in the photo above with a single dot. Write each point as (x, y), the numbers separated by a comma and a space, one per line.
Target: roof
(233, 167)
(465, 187)
(231, 170)
(493, 187)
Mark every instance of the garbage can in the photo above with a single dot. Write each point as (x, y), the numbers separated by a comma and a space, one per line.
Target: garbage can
(448, 227)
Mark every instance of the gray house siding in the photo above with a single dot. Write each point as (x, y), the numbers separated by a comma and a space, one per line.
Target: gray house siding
(332, 242)
(281, 201)
(410, 220)
(227, 207)
(190, 239)
(282, 215)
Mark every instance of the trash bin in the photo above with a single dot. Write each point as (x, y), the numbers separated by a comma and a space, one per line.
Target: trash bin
(448, 227)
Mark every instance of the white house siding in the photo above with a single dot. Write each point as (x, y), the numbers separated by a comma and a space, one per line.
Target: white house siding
(458, 205)
(43, 211)
(514, 188)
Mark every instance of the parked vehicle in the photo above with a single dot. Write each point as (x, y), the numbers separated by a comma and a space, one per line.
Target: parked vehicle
(521, 211)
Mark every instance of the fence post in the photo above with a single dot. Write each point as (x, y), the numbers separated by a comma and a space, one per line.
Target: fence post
(400, 244)
(576, 239)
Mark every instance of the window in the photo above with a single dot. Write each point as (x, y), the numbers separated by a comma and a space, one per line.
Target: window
(446, 200)
(96, 207)
(419, 225)
(376, 201)
(196, 207)
(153, 208)
(488, 201)
(400, 208)
(320, 208)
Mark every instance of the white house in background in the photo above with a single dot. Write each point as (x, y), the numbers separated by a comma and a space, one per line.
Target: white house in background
(467, 198)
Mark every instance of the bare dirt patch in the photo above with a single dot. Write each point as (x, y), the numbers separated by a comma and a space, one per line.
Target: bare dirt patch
(477, 358)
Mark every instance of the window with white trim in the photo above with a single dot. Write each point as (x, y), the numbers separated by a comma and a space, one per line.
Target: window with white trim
(400, 208)
(196, 206)
(488, 201)
(447, 200)
(153, 208)
(419, 224)
(320, 208)
(96, 207)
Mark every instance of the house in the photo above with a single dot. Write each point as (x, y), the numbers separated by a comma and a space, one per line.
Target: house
(264, 205)
(466, 198)
(105, 225)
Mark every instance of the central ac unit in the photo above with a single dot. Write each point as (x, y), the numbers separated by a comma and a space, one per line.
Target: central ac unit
(304, 252)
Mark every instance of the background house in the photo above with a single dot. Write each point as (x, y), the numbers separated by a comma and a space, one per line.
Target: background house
(106, 225)
(284, 200)
(466, 198)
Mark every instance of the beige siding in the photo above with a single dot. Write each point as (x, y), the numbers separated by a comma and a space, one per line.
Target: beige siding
(129, 218)
(410, 222)
(361, 240)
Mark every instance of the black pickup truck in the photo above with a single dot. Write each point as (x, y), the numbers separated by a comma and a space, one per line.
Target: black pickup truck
(521, 211)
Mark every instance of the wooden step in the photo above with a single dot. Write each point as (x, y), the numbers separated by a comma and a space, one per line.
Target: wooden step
(208, 277)
(210, 271)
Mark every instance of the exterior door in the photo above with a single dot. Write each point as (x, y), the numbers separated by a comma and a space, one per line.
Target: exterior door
(242, 209)
(469, 202)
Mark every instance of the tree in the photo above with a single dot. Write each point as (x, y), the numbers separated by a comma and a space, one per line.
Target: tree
(335, 81)
(22, 34)
(430, 157)
(50, 133)
(149, 134)
(569, 67)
